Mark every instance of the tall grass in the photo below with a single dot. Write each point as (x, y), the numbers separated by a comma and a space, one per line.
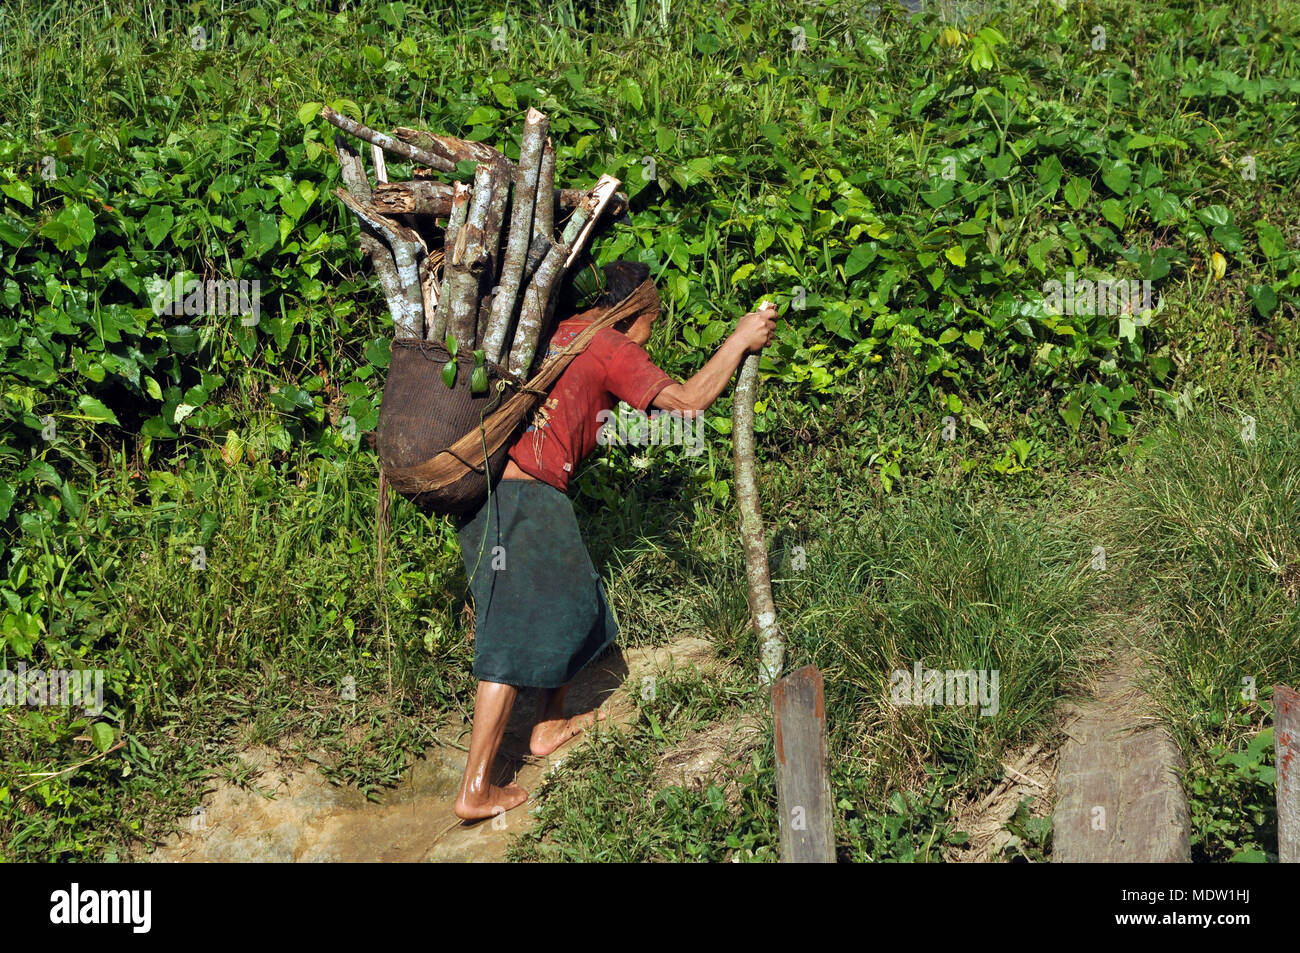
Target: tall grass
(1210, 515)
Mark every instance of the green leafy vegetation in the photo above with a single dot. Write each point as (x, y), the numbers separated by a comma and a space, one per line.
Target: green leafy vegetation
(192, 352)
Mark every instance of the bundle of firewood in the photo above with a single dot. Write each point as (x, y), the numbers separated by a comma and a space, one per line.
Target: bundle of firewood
(493, 285)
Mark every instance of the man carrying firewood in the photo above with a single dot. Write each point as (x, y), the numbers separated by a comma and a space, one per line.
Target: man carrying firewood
(540, 607)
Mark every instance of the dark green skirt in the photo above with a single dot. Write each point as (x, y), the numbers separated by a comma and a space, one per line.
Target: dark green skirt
(539, 606)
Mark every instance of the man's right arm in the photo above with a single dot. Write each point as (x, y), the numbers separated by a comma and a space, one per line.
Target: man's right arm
(753, 333)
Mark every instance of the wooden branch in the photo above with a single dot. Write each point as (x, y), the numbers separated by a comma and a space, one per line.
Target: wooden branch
(453, 149)
(492, 243)
(381, 168)
(534, 309)
(429, 296)
(451, 254)
(431, 197)
(472, 258)
(400, 304)
(601, 193)
(762, 608)
(531, 148)
(395, 146)
(544, 211)
(576, 232)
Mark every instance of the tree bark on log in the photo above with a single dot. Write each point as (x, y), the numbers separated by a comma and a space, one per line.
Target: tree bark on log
(381, 258)
(758, 576)
(395, 146)
(534, 309)
(600, 197)
(451, 148)
(450, 259)
(492, 242)
(428, 295)
(544, 211)
(531, 147)
(432, 197)
(406, 248)
(462, 300)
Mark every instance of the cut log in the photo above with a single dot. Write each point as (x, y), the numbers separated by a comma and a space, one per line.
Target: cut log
(472, 256)
(533, 310)
(450, 259)
(407, 249)
(451, 148)
(381, 258)
(601, 194)
(544, 211)
(576, 232)
(758, 576)
(395, 146)
(432, 197)
(517, 240)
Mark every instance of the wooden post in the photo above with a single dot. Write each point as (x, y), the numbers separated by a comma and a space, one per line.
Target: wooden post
(1286, 751)
(803, 783)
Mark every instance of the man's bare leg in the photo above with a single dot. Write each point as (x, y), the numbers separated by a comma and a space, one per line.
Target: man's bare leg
(553, 729)
(479, 797)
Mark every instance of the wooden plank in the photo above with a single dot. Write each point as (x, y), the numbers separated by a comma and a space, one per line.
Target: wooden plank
(803, 783)
(1286, 750)
(1118, 794)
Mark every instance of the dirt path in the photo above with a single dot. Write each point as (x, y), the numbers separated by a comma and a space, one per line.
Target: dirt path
(294, 814)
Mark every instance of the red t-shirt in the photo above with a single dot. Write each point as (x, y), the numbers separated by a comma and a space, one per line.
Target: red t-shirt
(564, 427)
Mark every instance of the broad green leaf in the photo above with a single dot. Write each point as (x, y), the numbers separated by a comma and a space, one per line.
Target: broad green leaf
(158, 223)
(478, 382)
(1117, 176)
(19, 191)
(95, 410)
(1077, 191)
(73, 227)
(1229, 236)
(101, 734)
(1037, 253)
(743, 272)
(1113, 212)
(957, 255)
(1264, 298)
(1271, 242)
(1214, 215)
(631, 94)
(858, 260)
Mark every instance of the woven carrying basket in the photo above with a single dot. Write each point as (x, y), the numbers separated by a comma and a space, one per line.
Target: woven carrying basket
(431, 438)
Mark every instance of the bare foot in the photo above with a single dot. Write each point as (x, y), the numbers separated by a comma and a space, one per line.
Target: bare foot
(496, 800)
(553, 733)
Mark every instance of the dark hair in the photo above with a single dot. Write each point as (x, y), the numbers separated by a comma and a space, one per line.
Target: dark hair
(621, 279)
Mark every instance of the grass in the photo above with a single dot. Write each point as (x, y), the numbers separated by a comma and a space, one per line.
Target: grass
(1210, 517)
